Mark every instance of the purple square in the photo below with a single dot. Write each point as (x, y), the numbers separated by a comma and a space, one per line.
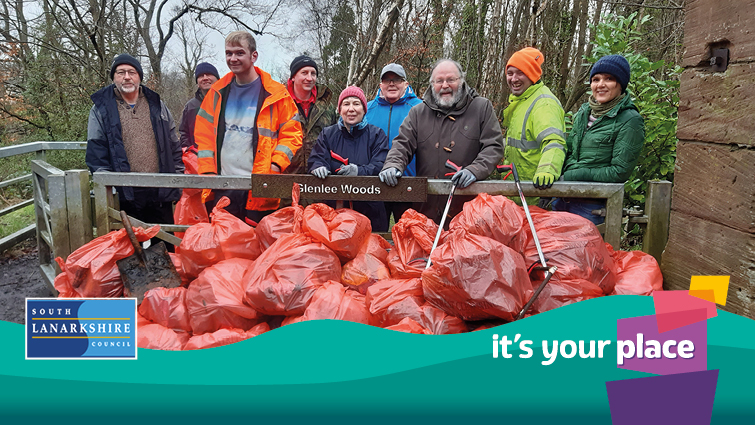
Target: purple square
(685, 398)
(628, 330)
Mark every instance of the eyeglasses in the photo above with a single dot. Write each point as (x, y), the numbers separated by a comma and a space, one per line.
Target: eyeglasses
(121, 73)
(394, 81)
(448, 81)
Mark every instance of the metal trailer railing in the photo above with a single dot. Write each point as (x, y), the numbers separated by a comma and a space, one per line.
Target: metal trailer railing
(39, 149)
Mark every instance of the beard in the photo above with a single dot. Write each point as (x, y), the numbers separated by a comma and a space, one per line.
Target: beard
(134, 87)
(444, 102)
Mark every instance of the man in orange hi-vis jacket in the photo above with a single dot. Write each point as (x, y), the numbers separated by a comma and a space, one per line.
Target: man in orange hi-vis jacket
(246, 125)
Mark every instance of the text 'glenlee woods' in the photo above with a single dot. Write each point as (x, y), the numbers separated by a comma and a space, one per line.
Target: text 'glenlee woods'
(626, 349)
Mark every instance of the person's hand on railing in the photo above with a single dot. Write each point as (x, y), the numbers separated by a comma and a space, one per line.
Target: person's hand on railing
(321, 172)
(463, 178)
(348, 170)
(543, 180)
(390, 176)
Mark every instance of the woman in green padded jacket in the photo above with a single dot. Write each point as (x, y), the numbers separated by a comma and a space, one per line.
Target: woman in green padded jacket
(606, 139)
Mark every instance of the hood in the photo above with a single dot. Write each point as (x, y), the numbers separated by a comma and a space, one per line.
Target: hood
(408, 95)
(468, 94)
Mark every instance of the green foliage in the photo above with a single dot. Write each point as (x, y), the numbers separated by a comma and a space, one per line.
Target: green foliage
(655, 90)
(16, 220)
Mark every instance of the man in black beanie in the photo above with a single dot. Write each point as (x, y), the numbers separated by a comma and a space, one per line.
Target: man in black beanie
(315, 109)
(205, 76)
(131, 130)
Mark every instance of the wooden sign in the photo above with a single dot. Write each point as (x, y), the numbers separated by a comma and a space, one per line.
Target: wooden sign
(336, 188)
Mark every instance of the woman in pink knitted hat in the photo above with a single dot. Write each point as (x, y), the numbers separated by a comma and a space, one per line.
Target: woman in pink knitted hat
(352, 147)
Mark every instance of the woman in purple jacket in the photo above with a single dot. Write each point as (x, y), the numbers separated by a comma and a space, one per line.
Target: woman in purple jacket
(352, 139)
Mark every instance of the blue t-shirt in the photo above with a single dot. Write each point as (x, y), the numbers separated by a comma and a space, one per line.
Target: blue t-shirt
(237, 153)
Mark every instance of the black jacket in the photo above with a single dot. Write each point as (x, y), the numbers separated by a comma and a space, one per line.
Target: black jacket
(105, 150)
(188, 118)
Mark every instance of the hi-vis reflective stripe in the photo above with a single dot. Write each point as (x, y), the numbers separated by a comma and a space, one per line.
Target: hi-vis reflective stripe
(266, 132)
(554, 145)
(547, 132)
(205, 154)
(202, 113)
(285, 149)
(523, 143)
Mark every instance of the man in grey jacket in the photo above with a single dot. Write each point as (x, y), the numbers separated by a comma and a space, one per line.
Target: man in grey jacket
(453, 123)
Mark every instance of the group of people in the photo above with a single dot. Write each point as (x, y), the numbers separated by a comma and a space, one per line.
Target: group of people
(246, 123)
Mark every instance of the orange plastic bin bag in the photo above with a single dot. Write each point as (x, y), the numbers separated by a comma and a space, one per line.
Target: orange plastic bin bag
(91, 271)
(409, 325)
(475, 278)
(167, 307)
(224, 337)
(282, 222)
(574, 245)
(408, 307)
(344, 231)
(215, 298)
(496, 217)
(382, 295)
(413, 238)
(158, 337)
(286, 275)
(335, 302)
(190, 209)
(369, 265)
(560, 292)
(225, 237)
(638, 273)
(439, 322)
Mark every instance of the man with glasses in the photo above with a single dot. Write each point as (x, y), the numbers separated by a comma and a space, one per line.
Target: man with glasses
(131, 130)
(391, 105)
(453, 123)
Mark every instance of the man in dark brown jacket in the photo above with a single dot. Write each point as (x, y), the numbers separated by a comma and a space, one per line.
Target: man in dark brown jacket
(453, 123)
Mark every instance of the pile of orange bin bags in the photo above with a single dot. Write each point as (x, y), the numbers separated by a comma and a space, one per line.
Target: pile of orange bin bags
(316, 263)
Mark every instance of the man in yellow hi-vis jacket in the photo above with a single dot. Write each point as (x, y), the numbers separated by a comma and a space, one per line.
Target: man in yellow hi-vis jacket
(535, 140)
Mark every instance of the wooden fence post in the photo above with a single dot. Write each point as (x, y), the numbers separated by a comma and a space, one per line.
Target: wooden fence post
(79, 207)
(658, 210)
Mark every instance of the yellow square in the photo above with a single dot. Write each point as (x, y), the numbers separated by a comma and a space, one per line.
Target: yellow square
(718, 284)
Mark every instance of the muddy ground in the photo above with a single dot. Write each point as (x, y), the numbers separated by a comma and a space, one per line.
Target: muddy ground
(20, 278)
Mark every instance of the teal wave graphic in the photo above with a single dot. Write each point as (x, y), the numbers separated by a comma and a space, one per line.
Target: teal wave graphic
(315, 352)
(331, 369)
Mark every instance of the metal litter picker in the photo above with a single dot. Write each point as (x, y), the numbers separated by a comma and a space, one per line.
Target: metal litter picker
(549, 271)
(456, 168)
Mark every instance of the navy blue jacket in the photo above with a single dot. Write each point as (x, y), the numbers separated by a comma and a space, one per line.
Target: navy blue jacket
(366, 147)
(105, 150)
(389, 117)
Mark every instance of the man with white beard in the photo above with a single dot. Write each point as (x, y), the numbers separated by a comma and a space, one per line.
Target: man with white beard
(453, 123)
(131, 130)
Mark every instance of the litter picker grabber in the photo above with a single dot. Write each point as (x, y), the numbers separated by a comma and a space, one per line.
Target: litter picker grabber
(549, 271)
(147, 268)
(344, 161)
(456, 168)
(339, 158)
